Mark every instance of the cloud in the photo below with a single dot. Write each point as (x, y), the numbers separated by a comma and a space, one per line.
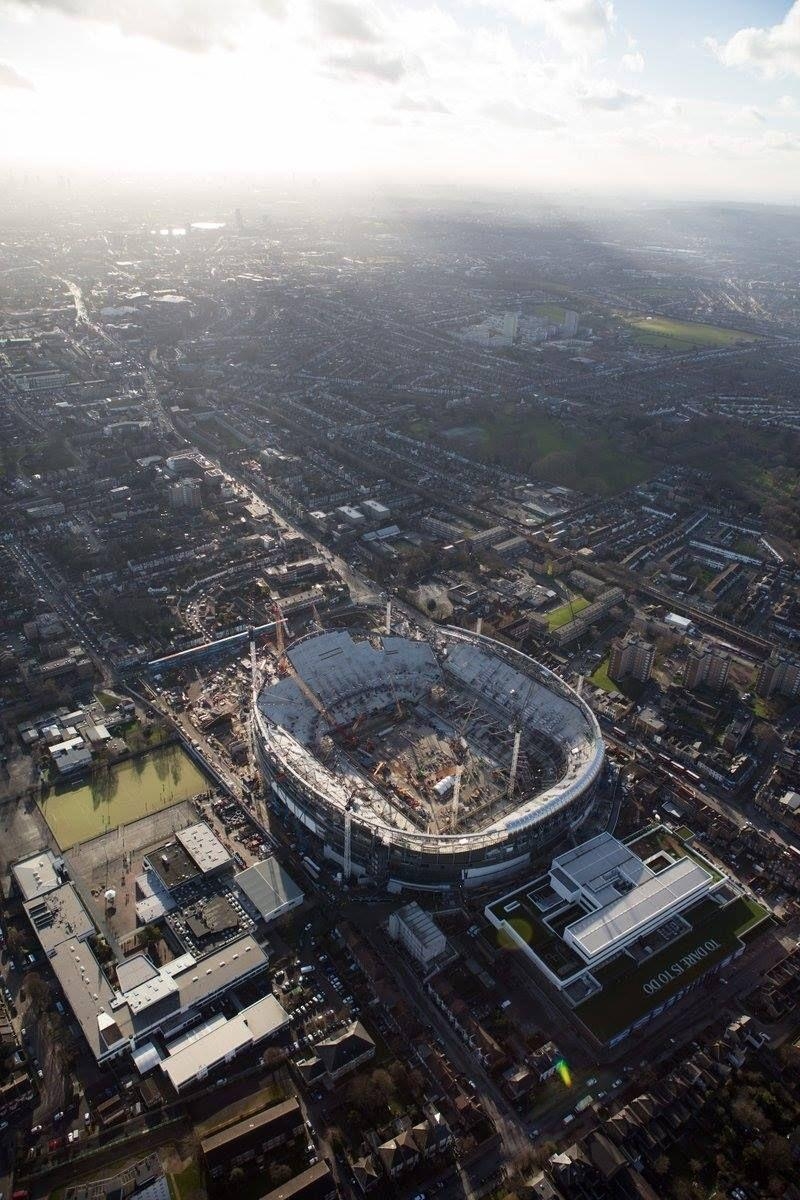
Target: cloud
(519, 116)
(421, 104)
(781, 141)
(339, 19)
(633, 62)
(576, 24)
(190, 25)
(11, 78)
(773, 51)
(366, 64)
(608, 97)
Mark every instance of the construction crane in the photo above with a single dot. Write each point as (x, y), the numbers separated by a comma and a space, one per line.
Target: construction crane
(279, 629)
(347, 864)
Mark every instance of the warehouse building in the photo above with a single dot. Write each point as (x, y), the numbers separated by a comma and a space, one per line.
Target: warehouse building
(270, 890)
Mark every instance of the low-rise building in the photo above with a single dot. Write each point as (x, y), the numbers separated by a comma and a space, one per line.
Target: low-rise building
(418, 933)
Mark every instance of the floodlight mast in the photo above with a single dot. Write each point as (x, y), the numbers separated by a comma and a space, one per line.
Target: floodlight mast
(456, 797)
(512, 775)
(347, 863)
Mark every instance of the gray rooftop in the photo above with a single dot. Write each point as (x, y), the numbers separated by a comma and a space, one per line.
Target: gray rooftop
(269, 888)
(625, 918)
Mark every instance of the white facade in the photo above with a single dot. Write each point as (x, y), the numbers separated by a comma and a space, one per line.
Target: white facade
(418, 933)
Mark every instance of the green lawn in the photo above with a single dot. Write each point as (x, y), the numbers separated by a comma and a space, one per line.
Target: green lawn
(550, 312)
(601, 678)
(560, 451)
(666, 334)
(566, 612)
(188, 1183)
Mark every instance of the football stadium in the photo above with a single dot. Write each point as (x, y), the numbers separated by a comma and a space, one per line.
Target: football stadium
(424, 762)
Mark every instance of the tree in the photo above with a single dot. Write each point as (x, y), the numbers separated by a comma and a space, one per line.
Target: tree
(280, 1173)
(39, 994)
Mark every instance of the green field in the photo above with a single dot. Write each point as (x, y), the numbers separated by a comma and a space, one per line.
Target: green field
(664, 333)
(120, 794)
(560, 452)
(550, 312)
(566, 612)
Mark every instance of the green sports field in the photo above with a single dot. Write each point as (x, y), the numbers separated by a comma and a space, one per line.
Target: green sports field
(664, 333)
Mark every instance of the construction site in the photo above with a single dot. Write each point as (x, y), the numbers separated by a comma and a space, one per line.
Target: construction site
(419, 761)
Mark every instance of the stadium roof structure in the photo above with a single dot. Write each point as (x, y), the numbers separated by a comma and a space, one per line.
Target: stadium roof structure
(352, 677)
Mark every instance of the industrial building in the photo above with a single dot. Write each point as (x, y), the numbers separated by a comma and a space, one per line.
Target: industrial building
(418, 933)
(146, 999)
(356, 746)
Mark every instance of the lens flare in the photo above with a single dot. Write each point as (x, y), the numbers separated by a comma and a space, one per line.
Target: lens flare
(564, 1073)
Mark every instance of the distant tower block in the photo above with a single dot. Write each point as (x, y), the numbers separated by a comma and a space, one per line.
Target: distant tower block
(388, 617)
(510, 326)
(238, 220)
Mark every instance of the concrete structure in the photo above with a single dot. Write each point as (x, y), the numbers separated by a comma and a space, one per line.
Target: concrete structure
(779, 674)
(346, 681)
(644, 926)
(418, 932)
(147, 999)
(707, 668)
(631, 658)
(252, 1137)
(37, 875)
(204, 848)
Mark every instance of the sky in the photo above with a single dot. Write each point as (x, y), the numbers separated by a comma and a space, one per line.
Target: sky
(693, 99)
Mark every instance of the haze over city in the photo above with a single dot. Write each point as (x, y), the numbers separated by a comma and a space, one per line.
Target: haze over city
(584, 95)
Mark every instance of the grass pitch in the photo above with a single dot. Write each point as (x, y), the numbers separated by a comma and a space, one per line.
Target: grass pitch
(664, 333)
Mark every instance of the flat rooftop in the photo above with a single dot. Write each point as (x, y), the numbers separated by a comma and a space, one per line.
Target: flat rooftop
(623, 919)
(203, 847)
(173, 865)
(37, 875)
(260, 1120)
(269, 888)
(597, 865)
(59, 916)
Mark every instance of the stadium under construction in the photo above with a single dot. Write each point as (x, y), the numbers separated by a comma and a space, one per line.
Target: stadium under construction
(424, 762)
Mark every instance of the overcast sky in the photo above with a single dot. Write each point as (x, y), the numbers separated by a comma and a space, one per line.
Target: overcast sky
(689, 97)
